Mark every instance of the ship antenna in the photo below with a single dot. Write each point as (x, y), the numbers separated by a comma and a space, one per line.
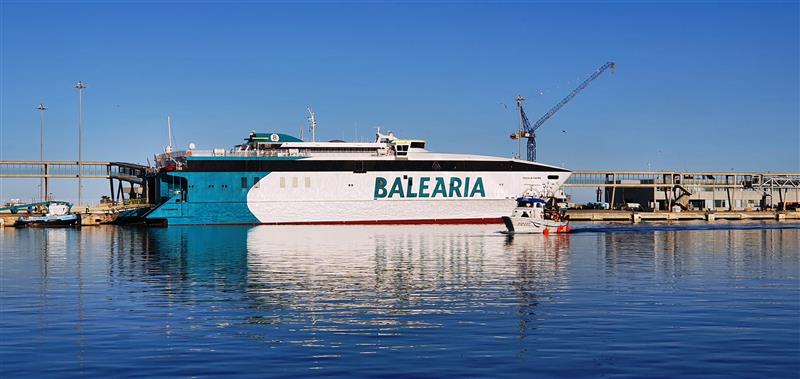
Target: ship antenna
(312, 119)
(169, 135)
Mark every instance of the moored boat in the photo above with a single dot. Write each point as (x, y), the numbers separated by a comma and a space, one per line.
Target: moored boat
(58, 215)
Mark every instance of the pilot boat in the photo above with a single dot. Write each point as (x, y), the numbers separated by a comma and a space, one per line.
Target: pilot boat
(533, 216)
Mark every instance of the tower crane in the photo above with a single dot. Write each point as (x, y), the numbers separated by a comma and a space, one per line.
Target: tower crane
(526, 130)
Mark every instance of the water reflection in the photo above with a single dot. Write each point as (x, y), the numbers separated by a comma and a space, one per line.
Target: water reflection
(684, 253)
(394, 277)
(309, 298)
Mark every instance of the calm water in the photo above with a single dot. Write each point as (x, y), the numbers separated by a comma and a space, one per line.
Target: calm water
(426, 301)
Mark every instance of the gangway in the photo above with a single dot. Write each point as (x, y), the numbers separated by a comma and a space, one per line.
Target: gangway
(131, 173)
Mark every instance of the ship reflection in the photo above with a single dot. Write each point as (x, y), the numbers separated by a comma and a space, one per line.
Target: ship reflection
(348, 278)
(353, 280)
(541, 267)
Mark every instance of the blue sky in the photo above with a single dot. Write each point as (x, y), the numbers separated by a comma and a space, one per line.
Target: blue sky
(699, 86)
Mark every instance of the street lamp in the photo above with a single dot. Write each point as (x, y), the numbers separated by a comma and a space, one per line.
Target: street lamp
(80, 86)
(41, 108)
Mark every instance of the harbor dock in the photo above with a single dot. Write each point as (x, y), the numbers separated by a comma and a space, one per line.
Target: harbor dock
(636, 217)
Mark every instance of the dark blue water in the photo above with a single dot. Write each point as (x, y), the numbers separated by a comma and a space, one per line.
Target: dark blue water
(424, 301)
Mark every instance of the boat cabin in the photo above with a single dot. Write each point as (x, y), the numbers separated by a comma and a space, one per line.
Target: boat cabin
(529, 207)
(403, 147)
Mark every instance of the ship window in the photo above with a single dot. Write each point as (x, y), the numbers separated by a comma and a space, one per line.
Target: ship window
(417, 145)
(402, 149)
(244, 182)
(308, 182)
(553, 177)
(294, 182)
(283, 182)
(255, 183)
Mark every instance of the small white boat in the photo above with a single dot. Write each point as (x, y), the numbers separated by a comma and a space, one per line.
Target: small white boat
(532, 216)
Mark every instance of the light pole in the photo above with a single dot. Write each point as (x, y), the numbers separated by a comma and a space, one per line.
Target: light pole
(41, 107)
(80, 86)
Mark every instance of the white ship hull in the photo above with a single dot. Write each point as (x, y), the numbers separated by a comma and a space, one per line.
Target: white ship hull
(335, 197)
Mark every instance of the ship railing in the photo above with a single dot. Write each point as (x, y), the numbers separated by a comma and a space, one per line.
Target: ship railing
(233, 153)
(267, 153)
(134, 202)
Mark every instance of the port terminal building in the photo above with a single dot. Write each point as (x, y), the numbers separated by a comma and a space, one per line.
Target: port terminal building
(699, 191)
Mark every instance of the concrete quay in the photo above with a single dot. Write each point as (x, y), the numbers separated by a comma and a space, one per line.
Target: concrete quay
(87, 219)
(97, 215)
(635, 216)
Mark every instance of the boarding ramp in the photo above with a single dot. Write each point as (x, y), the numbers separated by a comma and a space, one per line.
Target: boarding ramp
(131, 173)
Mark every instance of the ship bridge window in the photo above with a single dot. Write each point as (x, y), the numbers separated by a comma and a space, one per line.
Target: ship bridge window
(552, 177)
(402, 149)
(417, 145)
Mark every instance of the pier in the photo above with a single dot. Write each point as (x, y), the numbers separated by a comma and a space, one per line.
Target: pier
(710, 216)
(116, 173)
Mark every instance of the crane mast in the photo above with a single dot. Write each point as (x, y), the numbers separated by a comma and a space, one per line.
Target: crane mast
(312, 123)
(526, 130)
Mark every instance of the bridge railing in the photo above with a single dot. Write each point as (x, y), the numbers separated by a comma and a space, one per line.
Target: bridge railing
(661, 179)
(69, 169)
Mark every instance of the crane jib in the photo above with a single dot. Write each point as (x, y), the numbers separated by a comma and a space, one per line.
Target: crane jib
(528, 130)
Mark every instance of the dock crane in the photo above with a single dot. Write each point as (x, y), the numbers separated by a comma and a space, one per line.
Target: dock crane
(526, 130)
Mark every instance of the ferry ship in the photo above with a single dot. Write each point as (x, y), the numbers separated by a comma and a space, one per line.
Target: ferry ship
(275, 178)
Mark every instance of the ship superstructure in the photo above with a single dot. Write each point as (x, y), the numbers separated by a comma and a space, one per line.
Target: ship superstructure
(275, 178)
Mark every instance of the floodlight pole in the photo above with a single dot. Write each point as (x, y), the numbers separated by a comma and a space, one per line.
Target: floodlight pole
(43, 191)
(80, 86)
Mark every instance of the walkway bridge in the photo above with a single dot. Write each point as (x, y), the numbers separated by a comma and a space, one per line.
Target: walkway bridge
(131, 173)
